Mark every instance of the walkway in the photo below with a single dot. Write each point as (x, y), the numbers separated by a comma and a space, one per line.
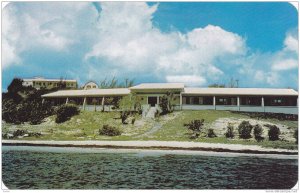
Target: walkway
(162, 145)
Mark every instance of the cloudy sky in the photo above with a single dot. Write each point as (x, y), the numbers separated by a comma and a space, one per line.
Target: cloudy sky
(196, 43)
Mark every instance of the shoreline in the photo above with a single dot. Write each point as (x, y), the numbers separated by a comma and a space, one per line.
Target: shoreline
(157, 145)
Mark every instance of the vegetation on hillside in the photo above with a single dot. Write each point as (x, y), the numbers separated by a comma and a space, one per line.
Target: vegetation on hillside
(85, 126)
(24, 104)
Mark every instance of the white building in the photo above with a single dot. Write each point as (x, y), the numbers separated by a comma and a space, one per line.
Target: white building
(40, 82)
(185, 98)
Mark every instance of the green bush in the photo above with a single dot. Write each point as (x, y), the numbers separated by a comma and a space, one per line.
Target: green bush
(65, 112)
(30, 109)
(195, 126)
(258, 130)
(211, 133)
(245, 129)
(273, 133)
(109, 131)
(230, 131)
(18, 133)
(296, 135)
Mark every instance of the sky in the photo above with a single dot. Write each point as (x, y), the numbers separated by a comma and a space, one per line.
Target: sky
(197, 43)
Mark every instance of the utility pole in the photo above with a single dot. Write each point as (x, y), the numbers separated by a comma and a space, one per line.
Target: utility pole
(237, 83)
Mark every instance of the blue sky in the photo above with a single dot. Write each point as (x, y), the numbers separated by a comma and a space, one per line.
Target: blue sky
(198, 43)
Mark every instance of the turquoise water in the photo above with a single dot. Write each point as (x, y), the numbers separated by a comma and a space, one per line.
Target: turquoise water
(79, 168)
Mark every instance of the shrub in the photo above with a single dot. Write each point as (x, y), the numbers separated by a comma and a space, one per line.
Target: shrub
(245, 129)
(65, 112)
(211, 133)
(195, 126)
(296, 135)
(18, 133)
(109, 131)
(273, 133)
(32, 111)
(230, 131)
(258, 130)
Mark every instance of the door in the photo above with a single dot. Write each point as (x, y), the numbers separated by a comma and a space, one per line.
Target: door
(152, 101)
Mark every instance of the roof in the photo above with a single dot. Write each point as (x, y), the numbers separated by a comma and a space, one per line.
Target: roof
(241, 91)
(48, 80)
(158, 86)
(91, 92)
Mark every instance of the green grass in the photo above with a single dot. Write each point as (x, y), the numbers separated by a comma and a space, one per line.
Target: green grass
(86, 125)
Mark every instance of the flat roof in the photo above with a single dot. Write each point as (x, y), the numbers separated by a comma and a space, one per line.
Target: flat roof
(90, 92)
(241, 91)
(48, 80)
(158, 86)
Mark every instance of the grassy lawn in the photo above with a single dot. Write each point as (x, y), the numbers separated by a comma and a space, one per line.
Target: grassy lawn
(86, 125)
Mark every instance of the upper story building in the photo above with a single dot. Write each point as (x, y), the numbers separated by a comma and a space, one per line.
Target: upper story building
(40, 82)
(90, 85)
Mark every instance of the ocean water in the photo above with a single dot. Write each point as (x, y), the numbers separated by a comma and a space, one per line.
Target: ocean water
(81, 168)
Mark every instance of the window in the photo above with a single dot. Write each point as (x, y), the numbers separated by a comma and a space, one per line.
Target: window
(196, 100)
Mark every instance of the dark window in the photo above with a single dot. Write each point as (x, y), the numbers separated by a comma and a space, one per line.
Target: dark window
(196, 100)
(226, 101)
(250, 101)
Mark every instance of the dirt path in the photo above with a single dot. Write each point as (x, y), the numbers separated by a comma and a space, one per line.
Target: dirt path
(155, 128)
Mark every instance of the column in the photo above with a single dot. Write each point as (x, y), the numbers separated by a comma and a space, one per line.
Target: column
(238, 103)
(214, 102)
(67, 100)
(263, 103)
(102, 103)
(84, 102)
(180, 101)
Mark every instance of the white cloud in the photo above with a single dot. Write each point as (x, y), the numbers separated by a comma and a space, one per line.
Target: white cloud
(190, 80)
(47, 25)
(122, 41)
(128, 40)
(285, 64)
(291, 43)
(259, 76)
(272, 78)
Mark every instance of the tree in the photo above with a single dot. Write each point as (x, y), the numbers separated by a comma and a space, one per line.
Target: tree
(15, 86)
(216, 85)
(61, 84)
(113, 83)
(128, 83)
(166, 103)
